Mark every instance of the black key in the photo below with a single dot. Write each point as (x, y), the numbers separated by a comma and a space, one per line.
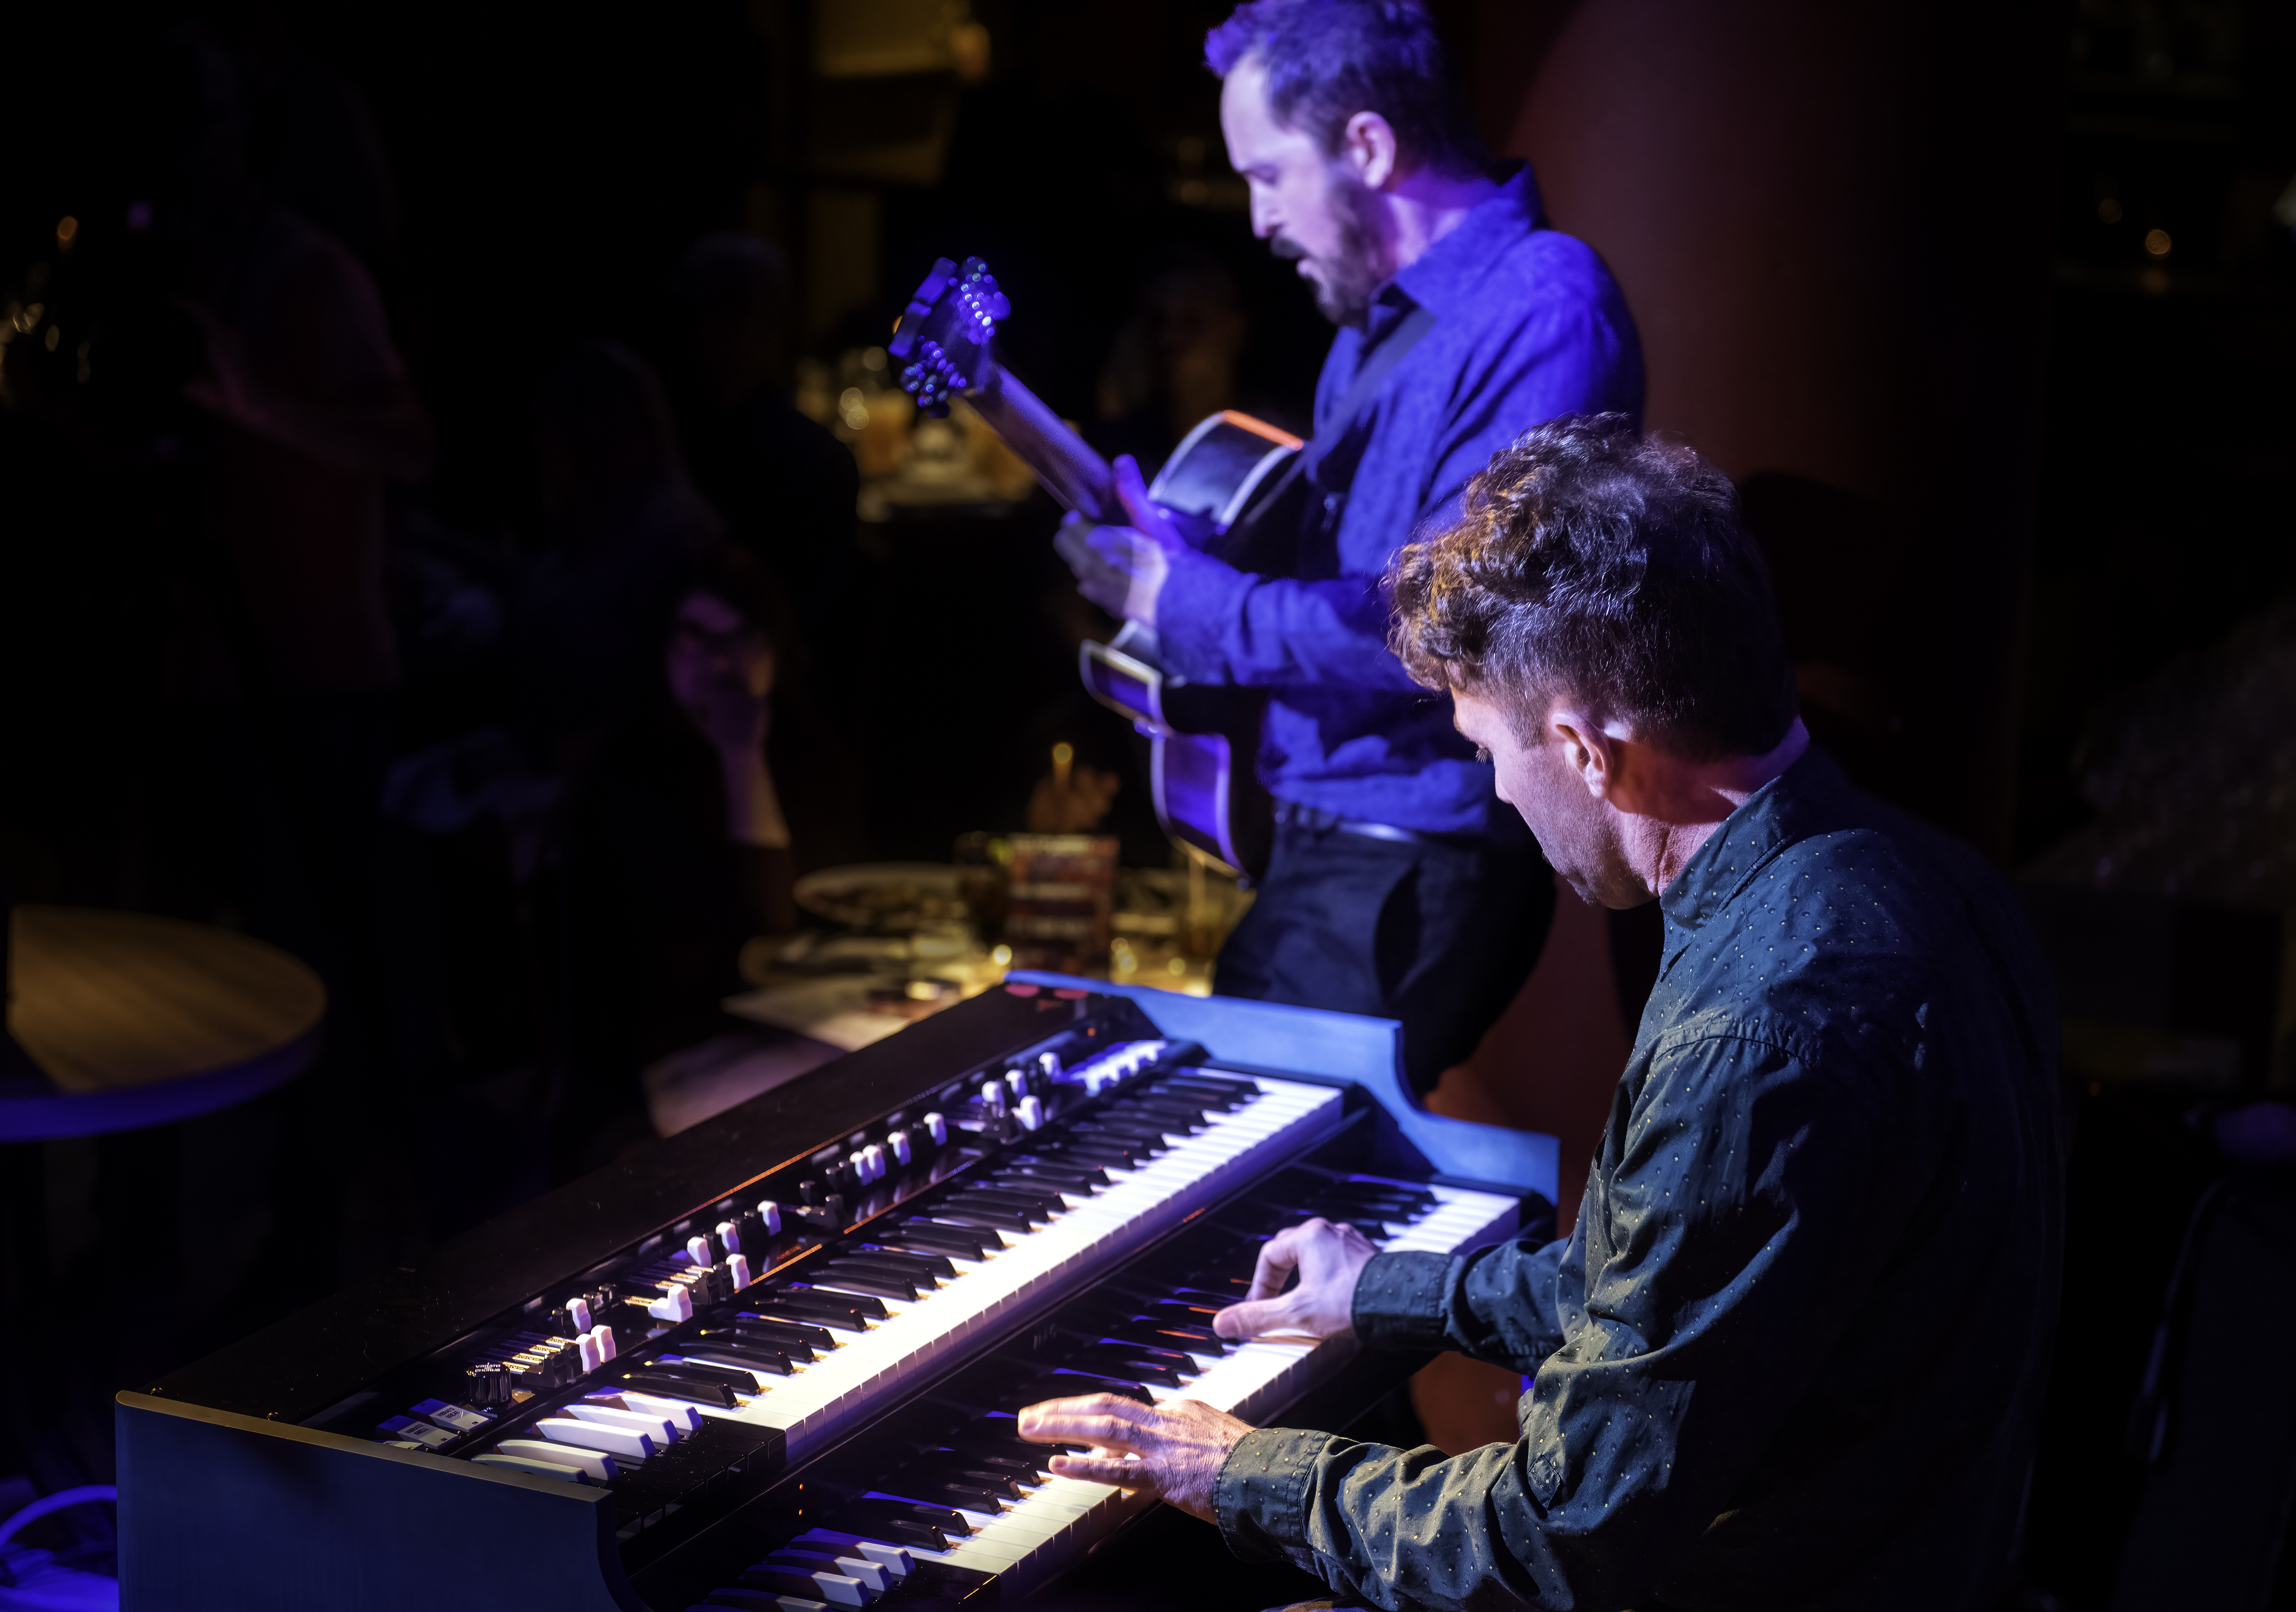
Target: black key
(899, 1523)
(1038, 1205)
(957, 1242)
(660, 1383)
(1073, 1385)
(795, 1339)
(1189, 1340)
(848, 1278)
(1001, 1434)
(738, 1355)
(701, 1371)
(1306, 1208)
(1121, 1363)
(1136, 1137)
(1178, 1359)
(1065, 1178)
(986, 1216)
(1029, 1190)
(987, 1461)
(822, 1309)
(949, 1467)
(947, 1490)
(924, 1267)
(1105, 1152)
(1168, 1114)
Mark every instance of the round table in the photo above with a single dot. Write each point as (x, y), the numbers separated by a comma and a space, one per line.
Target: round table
(137, 1021)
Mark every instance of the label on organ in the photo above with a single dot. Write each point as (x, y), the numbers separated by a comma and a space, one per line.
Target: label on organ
(421, 1432)
(455, 1417)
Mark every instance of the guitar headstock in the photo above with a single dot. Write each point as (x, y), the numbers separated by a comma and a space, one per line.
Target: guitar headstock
(945, 331)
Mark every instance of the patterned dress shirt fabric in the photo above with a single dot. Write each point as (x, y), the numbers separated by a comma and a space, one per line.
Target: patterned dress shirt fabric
(1528, 324)
(1792, 1354)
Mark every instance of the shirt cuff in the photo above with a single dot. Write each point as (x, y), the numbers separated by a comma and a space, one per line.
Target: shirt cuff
(1398, 1301)
(1261, 1497)
(1201, 599)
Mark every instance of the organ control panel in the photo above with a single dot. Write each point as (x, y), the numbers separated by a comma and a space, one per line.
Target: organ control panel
(773, 1361)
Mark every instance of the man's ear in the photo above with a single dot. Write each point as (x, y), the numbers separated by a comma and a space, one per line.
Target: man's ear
(1368, 145)
(1590, 753)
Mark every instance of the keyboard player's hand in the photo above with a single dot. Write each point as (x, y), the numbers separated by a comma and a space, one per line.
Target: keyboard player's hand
(1174, 1450)
(1328, 1258)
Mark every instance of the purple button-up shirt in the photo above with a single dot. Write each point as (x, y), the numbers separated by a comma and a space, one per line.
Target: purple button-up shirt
(1528, 324)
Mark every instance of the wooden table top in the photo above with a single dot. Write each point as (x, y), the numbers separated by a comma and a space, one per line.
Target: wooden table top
(111, 1005)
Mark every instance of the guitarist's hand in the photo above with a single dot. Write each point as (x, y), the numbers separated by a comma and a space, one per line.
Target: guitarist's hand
(1122, 569)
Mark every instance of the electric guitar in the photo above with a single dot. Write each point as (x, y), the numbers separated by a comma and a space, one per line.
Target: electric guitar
(1226, 492)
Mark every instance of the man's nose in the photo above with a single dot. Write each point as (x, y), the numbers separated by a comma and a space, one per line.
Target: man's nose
(1265, 222)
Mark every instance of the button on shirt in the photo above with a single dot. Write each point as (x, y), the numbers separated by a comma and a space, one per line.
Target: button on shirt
(1792, 1354)
(1528, 324)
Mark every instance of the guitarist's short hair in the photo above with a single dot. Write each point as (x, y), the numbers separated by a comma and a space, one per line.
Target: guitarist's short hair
(1591, 560)
(1328, 59)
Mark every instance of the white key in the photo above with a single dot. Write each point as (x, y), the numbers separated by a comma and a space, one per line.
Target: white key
(595, 1465)
(595, 1436)
(561, 1470)
(659, 1428)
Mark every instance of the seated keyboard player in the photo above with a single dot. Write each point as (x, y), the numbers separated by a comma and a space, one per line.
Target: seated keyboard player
(1792, 1354)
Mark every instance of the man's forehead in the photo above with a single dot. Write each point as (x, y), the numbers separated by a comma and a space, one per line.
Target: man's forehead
(1247, 120)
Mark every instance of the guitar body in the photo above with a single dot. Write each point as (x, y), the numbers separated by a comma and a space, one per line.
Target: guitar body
(1227, 490)
(1222, 486)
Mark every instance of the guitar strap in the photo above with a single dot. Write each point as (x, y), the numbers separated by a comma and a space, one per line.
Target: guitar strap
(1331, 457)
(1321, 473)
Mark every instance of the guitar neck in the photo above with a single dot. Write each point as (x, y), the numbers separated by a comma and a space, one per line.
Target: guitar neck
(1063, 461)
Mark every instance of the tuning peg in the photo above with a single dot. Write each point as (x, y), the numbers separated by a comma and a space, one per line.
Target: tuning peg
(981, 292)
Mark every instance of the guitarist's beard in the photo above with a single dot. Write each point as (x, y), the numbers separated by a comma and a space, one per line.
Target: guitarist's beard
(1345, 279)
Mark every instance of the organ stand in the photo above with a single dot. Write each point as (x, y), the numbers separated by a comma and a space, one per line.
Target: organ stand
(773, 1362)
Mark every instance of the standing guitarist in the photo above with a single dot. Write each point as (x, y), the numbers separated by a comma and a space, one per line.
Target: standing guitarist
(1397, 884)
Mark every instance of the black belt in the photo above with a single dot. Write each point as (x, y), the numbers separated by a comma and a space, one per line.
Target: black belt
(1297, 815)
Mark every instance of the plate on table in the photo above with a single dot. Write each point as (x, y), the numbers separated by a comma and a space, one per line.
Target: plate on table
(883, 896)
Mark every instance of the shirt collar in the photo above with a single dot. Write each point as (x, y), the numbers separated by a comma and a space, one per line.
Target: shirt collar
(1788, 808)
(1443, 278)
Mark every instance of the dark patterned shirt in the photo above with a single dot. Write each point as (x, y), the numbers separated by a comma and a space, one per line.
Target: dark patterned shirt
(1792, 1354)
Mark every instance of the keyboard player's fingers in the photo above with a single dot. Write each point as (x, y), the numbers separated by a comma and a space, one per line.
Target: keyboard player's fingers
(1279, 1257)
(1105, 1421)
(1328, 1257)
(1178, 1447)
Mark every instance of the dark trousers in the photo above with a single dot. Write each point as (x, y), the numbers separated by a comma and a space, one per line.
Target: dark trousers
(1440, 931)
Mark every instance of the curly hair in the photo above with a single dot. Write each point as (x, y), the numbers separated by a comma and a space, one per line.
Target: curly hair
(1590, 560)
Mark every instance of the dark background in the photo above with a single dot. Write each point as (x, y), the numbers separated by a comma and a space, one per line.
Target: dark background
(1888, 262)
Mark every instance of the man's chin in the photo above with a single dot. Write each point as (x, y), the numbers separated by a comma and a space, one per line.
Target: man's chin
(1617, 891)
(1352, 315)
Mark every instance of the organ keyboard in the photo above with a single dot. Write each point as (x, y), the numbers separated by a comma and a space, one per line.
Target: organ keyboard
(773, 1363)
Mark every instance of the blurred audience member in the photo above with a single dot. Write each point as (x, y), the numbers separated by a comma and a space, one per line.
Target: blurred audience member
(622, 521)
(785, 486)
(316, 412)
(682, 835)
(1175, 360)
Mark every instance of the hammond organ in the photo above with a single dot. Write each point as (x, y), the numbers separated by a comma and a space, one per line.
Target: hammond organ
(773, 1362)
